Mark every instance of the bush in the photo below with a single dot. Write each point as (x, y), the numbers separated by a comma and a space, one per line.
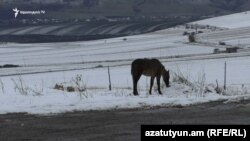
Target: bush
(77, 84)
(216, 50)
(9, 66)
(2, 85)
(200, 32)
(59, 87)
(99, 66)
(191, 38)
(185, 33)
(179, 77)
(70, 89)
(23, 89)
(222, 43)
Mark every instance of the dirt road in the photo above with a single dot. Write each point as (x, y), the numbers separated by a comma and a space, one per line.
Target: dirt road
(116, 125)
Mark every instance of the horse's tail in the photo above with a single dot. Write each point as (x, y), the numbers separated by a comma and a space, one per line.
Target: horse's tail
(133, 67)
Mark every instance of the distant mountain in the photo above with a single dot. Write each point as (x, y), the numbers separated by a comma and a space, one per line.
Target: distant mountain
(100, 8)
(230, 5)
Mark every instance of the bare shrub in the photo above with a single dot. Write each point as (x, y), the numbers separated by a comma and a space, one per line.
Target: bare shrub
(59, 87)
(185, 33)
(20, 86)
(179, 77)
(23, 89)
(77, 84)
(99, 66)
(235, 90)
(2, 86)
(218, 89)
(201, 84)
(222, 43)
(36, 90)
(70, 89)
(216, 51)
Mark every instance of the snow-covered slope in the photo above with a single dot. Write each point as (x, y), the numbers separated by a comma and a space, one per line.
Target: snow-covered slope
(237, 20)
(107, 28)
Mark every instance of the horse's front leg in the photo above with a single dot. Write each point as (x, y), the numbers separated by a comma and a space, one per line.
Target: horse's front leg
(151, 84)
(159, 84)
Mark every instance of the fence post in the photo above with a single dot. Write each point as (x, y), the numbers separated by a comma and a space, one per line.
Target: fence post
(109, 79)
(225, 76)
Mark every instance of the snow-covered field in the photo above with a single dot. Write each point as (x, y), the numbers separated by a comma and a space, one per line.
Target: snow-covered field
(30, 88)
(92, 28)
(237, 20)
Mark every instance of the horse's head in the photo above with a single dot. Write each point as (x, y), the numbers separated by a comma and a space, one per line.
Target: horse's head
(166, 76)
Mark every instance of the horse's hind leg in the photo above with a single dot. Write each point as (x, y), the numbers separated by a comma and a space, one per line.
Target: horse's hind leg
(135, 81)
(159, 84)
(151, 84)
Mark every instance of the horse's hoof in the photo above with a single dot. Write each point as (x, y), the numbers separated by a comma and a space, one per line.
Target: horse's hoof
(136, 94)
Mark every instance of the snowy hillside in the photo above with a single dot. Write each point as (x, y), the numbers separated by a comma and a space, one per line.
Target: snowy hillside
(85, 28)
(48, 72)
(229, 21)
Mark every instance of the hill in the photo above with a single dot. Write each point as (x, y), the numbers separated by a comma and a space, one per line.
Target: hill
(99, 8)
(236, 20)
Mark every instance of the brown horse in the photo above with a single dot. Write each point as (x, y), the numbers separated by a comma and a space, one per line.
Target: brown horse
(149, 67)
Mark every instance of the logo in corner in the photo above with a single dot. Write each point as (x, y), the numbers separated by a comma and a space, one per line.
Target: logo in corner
(16, 12)
(37, 12)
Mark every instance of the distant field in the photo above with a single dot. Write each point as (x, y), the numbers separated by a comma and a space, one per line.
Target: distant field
(78, 31)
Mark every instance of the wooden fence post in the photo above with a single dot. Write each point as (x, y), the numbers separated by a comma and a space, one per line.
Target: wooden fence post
(109, 79)
(225, 76)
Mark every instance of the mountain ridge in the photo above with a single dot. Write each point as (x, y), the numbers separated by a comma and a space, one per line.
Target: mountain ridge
(98, 8)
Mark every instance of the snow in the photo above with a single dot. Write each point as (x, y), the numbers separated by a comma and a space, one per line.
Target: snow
(53, 101)
(237, 20)
(42, 98)
(30, 88)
